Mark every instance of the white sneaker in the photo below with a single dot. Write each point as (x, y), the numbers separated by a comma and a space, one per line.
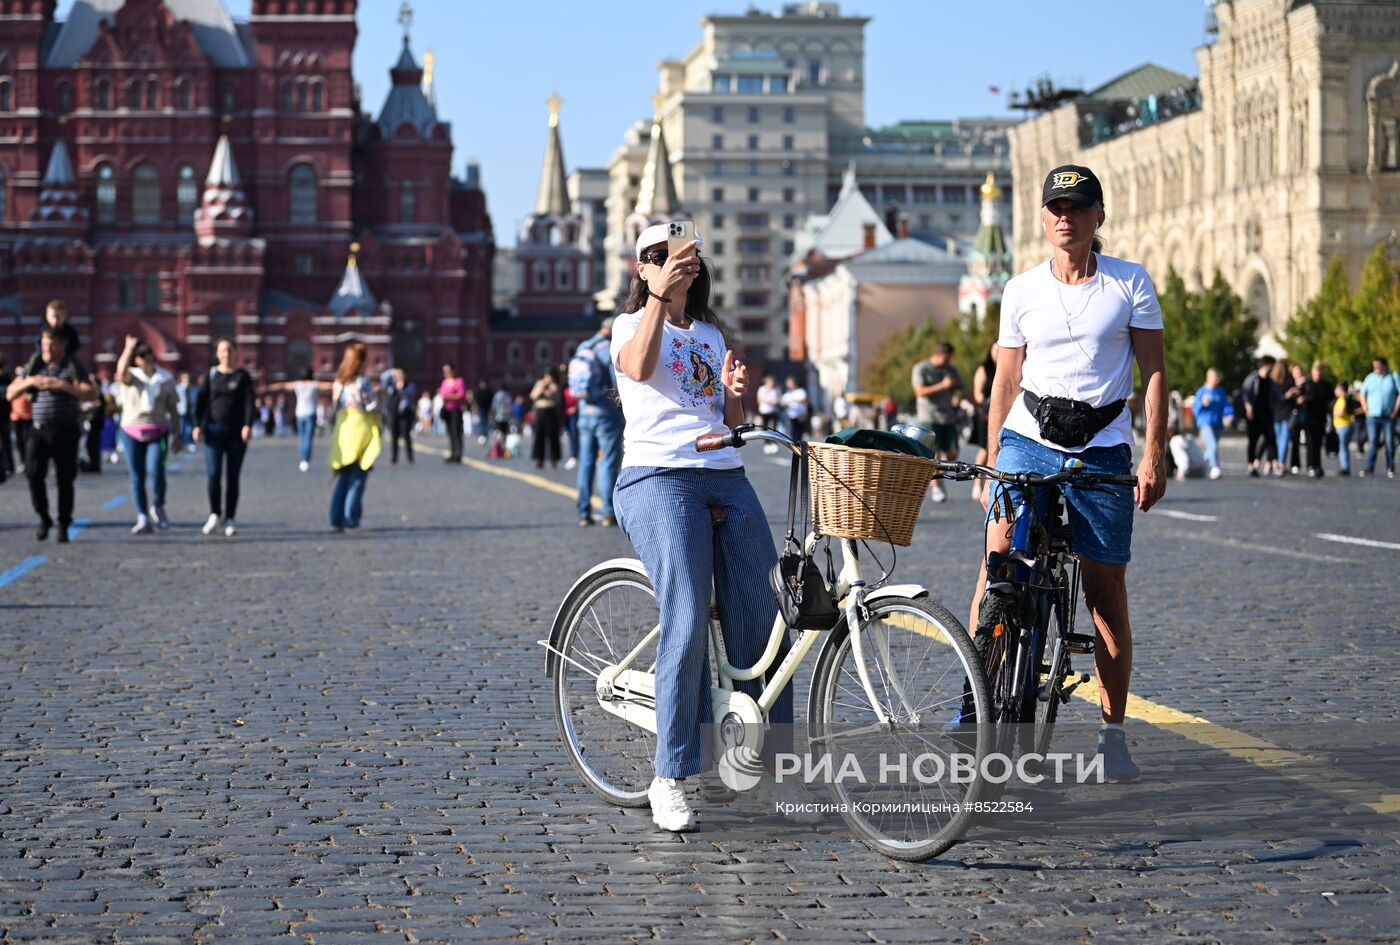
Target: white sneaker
(571, 463)
(303, 465)
(1215, 472)
(211, 524)
(668, 806)
(789, 798)
(230, 529)
(142, 526)
(937, 494)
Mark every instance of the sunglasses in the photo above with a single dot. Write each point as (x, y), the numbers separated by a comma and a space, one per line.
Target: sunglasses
(656, 256)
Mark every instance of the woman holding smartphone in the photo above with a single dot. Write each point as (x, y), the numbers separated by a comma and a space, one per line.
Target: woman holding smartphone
(677, 379)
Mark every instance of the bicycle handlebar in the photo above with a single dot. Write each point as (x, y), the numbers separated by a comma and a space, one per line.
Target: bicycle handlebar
(737, 437)
(963, 471)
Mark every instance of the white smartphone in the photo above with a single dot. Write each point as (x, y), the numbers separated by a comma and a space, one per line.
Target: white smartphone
(678, 233)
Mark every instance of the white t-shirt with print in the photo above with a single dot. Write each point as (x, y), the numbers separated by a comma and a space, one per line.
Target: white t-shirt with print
(1077, 340)
(683, 399)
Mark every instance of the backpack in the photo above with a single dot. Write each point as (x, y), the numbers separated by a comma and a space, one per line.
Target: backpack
(590, 381)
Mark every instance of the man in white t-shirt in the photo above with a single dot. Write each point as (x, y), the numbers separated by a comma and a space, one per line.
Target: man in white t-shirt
(1071, 329)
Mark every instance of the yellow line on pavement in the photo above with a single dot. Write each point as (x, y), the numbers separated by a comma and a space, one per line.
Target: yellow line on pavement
(540, 482)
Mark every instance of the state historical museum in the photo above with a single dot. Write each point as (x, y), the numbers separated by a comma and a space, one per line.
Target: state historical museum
(174, 174)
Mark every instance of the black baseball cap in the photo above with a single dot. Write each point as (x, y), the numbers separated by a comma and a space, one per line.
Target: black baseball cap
(1073, 183)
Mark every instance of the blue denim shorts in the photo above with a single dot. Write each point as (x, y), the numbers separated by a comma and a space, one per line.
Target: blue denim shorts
(1101, 523)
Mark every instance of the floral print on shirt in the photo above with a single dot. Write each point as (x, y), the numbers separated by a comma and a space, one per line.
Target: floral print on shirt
(695, 366)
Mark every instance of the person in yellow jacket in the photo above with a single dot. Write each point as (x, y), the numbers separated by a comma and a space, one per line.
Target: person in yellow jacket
(355, 442)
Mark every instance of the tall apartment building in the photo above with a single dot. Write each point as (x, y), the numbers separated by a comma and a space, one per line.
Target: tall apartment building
(762, 118)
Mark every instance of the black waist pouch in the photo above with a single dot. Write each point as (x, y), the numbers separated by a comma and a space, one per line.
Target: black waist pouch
(803, 597)
(1070, 423)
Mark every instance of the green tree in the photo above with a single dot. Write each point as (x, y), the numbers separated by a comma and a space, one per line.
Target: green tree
(1344, 329)
(1206, 329)
(889, 372)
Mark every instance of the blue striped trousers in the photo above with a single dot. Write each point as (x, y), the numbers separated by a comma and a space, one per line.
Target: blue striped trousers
(665, 512)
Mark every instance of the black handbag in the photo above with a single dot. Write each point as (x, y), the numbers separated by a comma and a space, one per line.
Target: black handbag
(803, 597)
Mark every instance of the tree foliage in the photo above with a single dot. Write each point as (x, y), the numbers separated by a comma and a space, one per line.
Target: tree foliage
(1346, 330)
(1206, 329)
(888, 373)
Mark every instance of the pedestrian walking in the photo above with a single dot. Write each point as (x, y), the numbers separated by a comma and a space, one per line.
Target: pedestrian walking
(58, 386)
(1315, 407)
(306, 391)
(149, 428)
(1380, 400)
(795, 409)
(936, 381)
(425, 413)
(502, 406)
(97, 441)
(570, 422)
(1209, 405)
(1257, 395)
(21, 420)
(770, 400)
(1281, 381)
(982, 380)
(1345, 410)
(547, 404)
(184, 400)
(481, 400)
(678, 378)
(1061, 395)
(355, 439)
(400, 408)
(593, 380)
(223, 423)
(454, 393)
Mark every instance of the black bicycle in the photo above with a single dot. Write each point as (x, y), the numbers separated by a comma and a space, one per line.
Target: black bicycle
(1025, 632)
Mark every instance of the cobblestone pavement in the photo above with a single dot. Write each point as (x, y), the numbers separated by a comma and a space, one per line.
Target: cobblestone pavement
(295, 735)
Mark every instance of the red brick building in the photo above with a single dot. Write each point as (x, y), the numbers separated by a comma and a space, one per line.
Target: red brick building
(175, 174)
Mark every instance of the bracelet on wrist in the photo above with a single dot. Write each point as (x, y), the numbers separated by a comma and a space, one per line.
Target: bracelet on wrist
(659, 297)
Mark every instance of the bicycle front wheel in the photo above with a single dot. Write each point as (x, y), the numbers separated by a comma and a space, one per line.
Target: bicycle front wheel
(604, 620)
(909, 802)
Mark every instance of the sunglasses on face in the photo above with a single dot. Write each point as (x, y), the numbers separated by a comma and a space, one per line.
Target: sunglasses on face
(656, 257)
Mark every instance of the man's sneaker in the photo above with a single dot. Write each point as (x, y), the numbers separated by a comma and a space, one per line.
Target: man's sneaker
(1215, 472)
(303, 465)
(1365, 472)
(230, 529)
(585, 520)
(937, 494)
(210, 524)
(1253, 473)
(789, 798)
(608, 521)
(571, 463)
(1390, 474)
(62, 536)
(142, 526)
(158, 517)
(668, 806)
(1117, 762)
(42, 531)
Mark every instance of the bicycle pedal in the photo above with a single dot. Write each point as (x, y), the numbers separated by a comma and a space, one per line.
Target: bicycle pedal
(1079, 642)
(1067, 691)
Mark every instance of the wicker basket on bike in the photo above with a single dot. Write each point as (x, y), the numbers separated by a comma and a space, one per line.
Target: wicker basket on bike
(869, 494)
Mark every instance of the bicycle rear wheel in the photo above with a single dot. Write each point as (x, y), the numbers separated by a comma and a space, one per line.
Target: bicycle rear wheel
(604, 619)
(919, 659)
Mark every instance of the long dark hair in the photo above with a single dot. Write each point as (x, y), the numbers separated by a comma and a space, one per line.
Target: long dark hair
(697, 300)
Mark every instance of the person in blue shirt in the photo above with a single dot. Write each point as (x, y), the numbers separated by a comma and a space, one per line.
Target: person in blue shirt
(1380, 399)
(1211, 404)
(599, 437)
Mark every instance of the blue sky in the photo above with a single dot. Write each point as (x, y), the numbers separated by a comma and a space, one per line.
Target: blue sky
(497, 62)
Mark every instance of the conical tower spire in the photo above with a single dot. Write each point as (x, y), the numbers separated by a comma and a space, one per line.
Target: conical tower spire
(553, 196)
(989, 266)
(59, 207)
(352, 295)
(656, 197)
(224, 209)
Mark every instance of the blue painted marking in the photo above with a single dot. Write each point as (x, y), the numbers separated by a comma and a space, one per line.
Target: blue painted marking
(21, 569)
(114, 501)
(78, 525)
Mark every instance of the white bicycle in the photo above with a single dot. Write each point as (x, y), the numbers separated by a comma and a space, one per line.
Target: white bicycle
(891, 679)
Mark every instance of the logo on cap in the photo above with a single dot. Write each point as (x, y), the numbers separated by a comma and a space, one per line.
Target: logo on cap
(1066, 179)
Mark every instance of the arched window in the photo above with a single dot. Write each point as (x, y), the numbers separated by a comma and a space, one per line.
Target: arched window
(287, 96)
(298, 357)
(563, 275)
(316, 96)
(152, 291)
(102, 92)
(182, 94)
(186, 194)
(301, 96)
(515, 353)
(106, 194)
(230, 98)
(151, 90)
(542, 352)
(302, 184)
(408, 202)
(7, 94)
(65, 98)
(133, 94)
(145, 195)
